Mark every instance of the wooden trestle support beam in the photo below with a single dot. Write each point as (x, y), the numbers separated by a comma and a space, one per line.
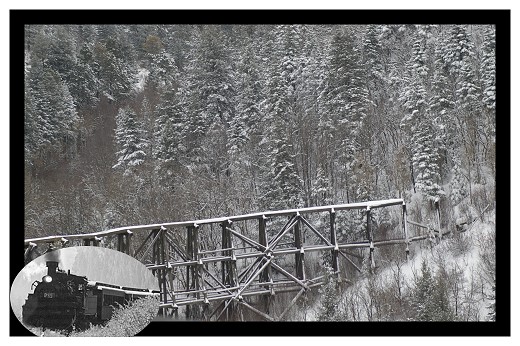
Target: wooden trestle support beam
(247, 268)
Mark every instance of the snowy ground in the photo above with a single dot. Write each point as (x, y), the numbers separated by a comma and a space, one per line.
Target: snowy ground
(461, 254)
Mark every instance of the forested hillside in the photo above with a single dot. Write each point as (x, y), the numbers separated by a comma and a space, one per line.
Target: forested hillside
(139, 124)
(134, 124)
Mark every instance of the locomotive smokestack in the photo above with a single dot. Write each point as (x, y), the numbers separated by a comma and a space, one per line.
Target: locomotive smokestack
(52, 265)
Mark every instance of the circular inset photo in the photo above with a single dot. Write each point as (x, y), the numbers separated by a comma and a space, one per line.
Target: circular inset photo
(85, 291)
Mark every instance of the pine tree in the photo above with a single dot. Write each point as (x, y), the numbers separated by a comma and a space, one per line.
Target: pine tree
(419, 59)
(418, 123)
(164, 73)
(422, 296)
(61, 56)
(196, 123)
(488, 77)
(312, 66)
(148, 117)
(346, 93)
(52, 110)
(249, 96)
(83, 82)
(443, 310)
(430, 297)
(344, 101)
(283, 185)
(467, 92)
(425, 160)
(372, 53)
(328, 309)
(209, 90)
(458, 54)
(488, 67)
(217, 89)
(38, 125)
(458, 190)
(32, 129)
(130, 142)
(459, 57)
(376, 76)
(321, 189)
(169, 149)
(115, 72)
(441, 109)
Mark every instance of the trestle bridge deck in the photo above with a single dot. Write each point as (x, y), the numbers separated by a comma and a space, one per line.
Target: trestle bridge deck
(241, 260)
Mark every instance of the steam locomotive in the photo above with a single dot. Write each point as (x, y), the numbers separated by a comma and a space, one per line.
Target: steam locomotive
(64, 301)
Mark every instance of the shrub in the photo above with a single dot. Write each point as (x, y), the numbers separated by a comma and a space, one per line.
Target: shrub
(126, 320)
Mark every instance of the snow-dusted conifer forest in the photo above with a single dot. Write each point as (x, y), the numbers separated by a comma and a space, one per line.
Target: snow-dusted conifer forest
(142, 124)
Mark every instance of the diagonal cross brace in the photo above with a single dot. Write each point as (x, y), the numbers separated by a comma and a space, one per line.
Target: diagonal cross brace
(328, 242)
(289, 275)
(264, 315)
(276, 239)
(251, 242)
(151, 245)
(246, 285)
(295, 299)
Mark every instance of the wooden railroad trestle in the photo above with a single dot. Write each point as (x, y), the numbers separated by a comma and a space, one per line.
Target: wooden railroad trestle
(216, 263)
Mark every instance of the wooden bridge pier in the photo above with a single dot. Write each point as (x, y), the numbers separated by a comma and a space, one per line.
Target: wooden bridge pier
(334, 242)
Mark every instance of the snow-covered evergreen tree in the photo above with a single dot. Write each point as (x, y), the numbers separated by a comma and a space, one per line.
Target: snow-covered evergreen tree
(321, 189)
(148, 117)
(488, 67)
(168, 136)
(345, 100)
(217, 90)
(429, 297)
(458, 54)
(425, 160)
(488, 77)
(117, 73)
(417, 124)
(458, 189)
(163, 71)
(130, 142)
(83, 82)
(282, 187)
(441, 108)
(419, 57)
(209, 87)
(328, 310)
(347, 95)
(373, 52)
(459, 57)
(467, 92)
(62, 52)
(249, 98)
(52, 109)
(375, 74)
(32, 129)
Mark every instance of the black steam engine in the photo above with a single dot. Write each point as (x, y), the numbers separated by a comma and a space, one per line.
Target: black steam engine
(63, 300)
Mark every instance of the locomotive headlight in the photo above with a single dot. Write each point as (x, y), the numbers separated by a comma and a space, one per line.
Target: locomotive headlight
(47, 279)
